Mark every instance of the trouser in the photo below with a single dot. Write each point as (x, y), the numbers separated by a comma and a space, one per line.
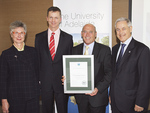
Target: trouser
(48, 102)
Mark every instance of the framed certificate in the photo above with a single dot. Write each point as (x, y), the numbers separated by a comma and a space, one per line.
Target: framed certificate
(79, 73)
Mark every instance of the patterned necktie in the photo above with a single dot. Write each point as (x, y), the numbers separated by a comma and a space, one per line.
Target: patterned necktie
(52, 46)
(120, 55)
(86, 50)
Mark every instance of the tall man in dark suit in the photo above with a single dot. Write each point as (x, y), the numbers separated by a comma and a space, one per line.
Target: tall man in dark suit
(51, 70)
(96, 101)
(129, 91)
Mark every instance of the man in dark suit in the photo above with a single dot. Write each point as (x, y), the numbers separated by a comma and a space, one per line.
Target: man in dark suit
(51, 69)
(96, 101)
(129, 91)
(19, 80)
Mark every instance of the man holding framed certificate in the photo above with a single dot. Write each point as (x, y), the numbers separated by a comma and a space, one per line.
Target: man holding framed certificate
(79, 72)
(96, 101)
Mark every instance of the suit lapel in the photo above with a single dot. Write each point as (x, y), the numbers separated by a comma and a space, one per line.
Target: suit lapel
(60, 46)
(45, 44)
(95, 50)
(80, 52)
(115, 51)
(127, 53)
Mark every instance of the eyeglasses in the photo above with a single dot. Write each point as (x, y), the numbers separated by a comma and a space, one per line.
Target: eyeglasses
(17, 33)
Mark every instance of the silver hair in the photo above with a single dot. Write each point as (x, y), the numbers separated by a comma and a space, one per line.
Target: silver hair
(123, 19)
(17, 24)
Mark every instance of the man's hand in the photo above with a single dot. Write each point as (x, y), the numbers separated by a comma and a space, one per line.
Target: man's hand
(63, 79)
(5, 106)
(138, 108)
(93, 93)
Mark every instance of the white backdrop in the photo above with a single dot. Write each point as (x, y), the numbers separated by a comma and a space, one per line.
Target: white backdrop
(140, 20)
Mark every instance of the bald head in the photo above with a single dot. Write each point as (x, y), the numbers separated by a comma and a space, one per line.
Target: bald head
(88, 33)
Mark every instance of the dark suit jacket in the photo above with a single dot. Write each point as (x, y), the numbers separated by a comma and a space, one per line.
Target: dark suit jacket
(130, 85)
(19, 74)
(102, 73)
(51, 71)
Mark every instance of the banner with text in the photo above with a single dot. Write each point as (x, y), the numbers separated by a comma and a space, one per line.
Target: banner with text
(77, 13)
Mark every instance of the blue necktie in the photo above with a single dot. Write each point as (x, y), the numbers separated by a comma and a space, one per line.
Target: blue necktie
(120, 56)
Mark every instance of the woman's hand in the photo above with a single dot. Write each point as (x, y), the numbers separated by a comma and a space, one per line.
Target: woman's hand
(5, 106)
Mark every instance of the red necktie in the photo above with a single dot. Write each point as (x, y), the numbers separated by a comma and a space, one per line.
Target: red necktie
(52, 46)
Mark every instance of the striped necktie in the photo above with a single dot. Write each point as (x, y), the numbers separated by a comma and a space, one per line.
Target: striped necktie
(52, 46)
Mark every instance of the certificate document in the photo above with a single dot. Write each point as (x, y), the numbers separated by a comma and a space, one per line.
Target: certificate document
(79, 73)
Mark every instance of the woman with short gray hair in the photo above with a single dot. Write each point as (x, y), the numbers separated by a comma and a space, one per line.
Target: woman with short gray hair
(19, 86)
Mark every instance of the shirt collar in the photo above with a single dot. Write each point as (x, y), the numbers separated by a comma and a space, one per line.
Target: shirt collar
(127, 41)
(18, 48)
(90, 45)
(56, 32)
